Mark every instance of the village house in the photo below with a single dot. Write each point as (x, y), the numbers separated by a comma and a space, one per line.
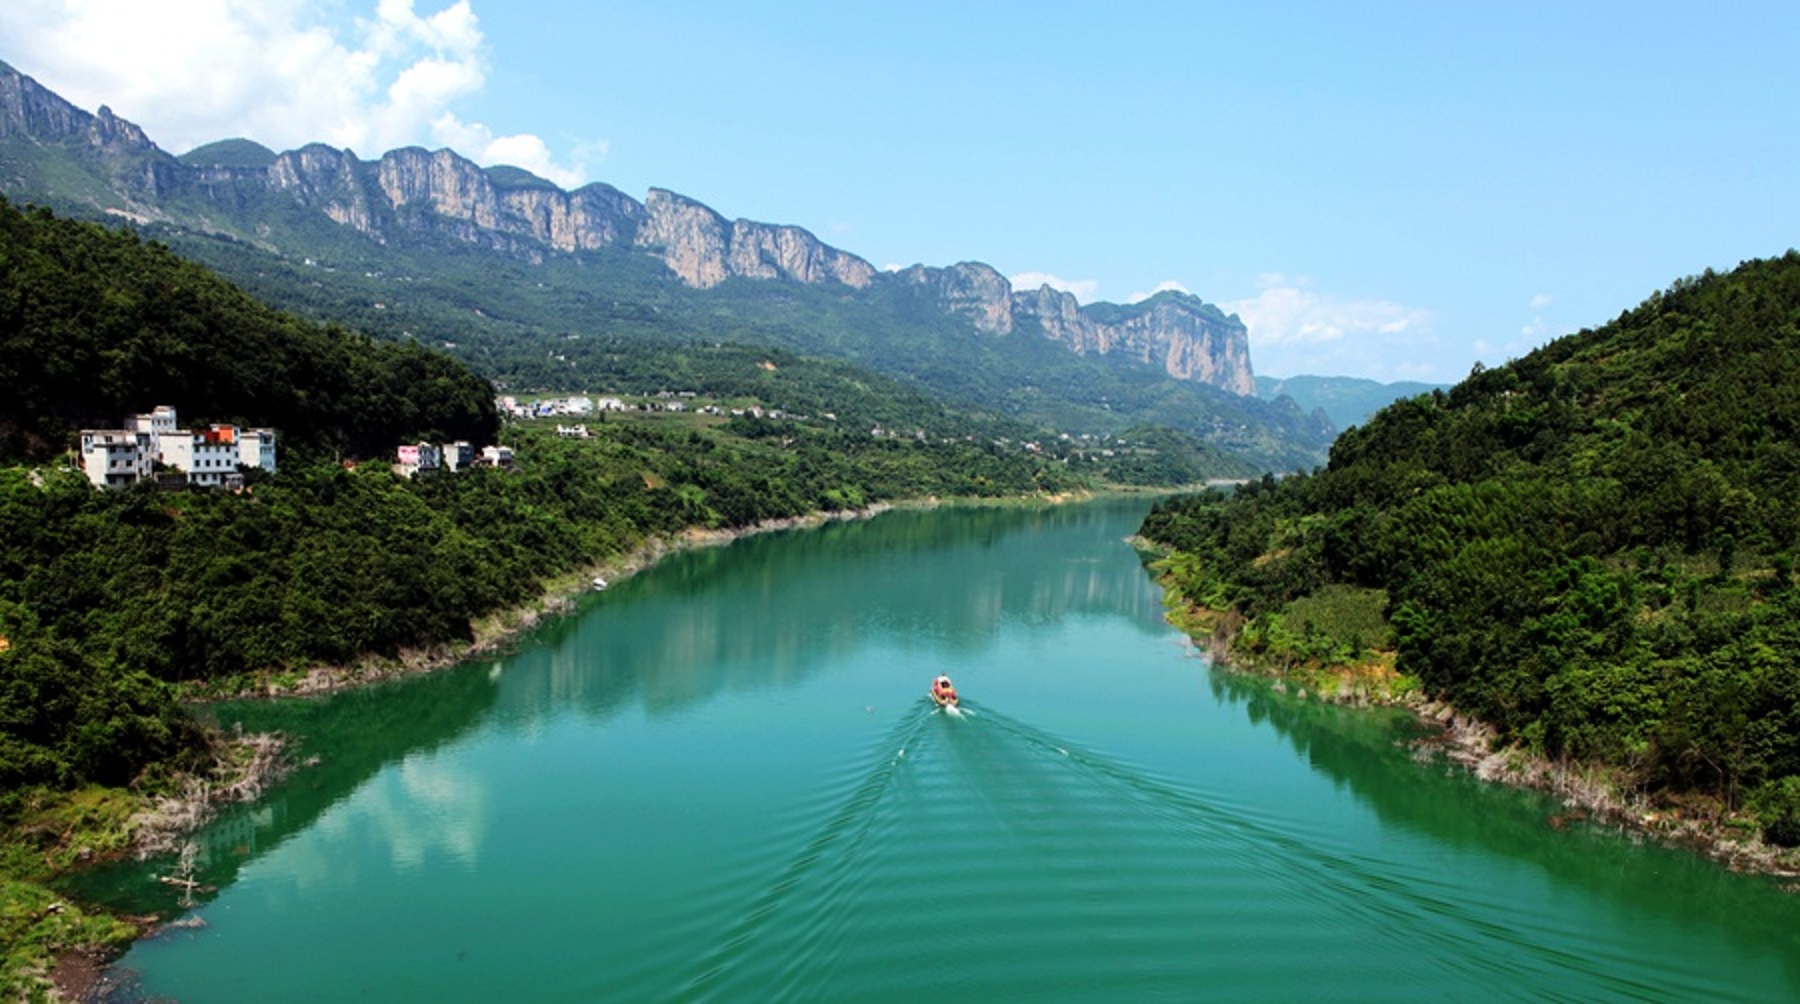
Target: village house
(210, 457)
(497, 456)
(413, 459)
(114, 458)
(418, 458)
(458, 455)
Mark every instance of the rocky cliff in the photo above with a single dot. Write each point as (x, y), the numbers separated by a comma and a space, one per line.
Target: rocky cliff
(413, 191)
(30, 111)
(1177, 333)
(704, 250)
(970, 290)
(1184, 336)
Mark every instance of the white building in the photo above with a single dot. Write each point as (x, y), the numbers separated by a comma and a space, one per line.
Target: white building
(458, 455)
(207, 455)
(156, 423)
(114, 458)
(256, 448)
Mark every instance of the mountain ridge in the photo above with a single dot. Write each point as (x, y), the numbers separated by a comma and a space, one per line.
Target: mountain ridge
(412, 195)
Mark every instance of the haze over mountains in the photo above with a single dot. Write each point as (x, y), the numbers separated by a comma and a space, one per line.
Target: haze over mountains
(538, 286)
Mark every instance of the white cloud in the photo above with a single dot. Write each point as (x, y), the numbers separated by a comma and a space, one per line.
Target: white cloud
(1295, 330)
(1161, 287)
(479, 143)
(281, 72)
(1081, 289)
(1540, 301)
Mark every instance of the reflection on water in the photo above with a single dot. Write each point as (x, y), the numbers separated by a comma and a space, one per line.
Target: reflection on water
(764, 610)
(346, 741)
(772, 608)
(1643, 886)
(720, 780)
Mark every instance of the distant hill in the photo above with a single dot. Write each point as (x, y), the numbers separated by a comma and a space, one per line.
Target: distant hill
(1591, 548)
(1346, 401)
(522, 279)
(230, 153)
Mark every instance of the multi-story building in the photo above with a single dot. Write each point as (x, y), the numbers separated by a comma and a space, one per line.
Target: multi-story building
(418, 458)
(497, 456)
(156, 423)
(207, 455)
(458, 455)
(114, 458)
(256, 448)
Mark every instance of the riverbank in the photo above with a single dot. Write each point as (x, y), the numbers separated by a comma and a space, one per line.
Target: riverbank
(495, 630)
(1593, 795)
(163, 824)
(557, 597)
(56, 948)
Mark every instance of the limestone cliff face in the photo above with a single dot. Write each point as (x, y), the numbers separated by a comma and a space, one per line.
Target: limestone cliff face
(765, 251)
(1188, 338)
(1180, 334)
(29, 110)
(1059, 314)
(970, 290)
(690, 237)
(417, 191)
(328, 180)
(456, 189)
(704, 250)
(31, 113)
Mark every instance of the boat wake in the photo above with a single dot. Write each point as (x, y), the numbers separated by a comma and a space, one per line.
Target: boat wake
(951, 824)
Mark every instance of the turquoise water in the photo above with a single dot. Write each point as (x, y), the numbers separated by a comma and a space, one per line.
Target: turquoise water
(721, 780)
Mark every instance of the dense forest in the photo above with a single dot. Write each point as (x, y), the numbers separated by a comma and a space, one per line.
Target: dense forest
(97, 324)
(107, 598)
(1591, 548)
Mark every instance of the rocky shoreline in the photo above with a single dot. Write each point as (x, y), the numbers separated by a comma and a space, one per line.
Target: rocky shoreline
(1595, 796)
(1592, 795)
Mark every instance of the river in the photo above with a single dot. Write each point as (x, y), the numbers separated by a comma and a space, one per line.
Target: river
(721, 780)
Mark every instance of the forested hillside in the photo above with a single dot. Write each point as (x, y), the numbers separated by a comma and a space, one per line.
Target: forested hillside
(98, 324)
(113, 602)
(1592, 548)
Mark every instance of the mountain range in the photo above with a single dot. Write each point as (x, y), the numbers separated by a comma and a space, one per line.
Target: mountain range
(541, 287)
(1346, 401)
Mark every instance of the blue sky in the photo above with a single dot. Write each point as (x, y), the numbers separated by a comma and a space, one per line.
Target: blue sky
(1388, 190)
